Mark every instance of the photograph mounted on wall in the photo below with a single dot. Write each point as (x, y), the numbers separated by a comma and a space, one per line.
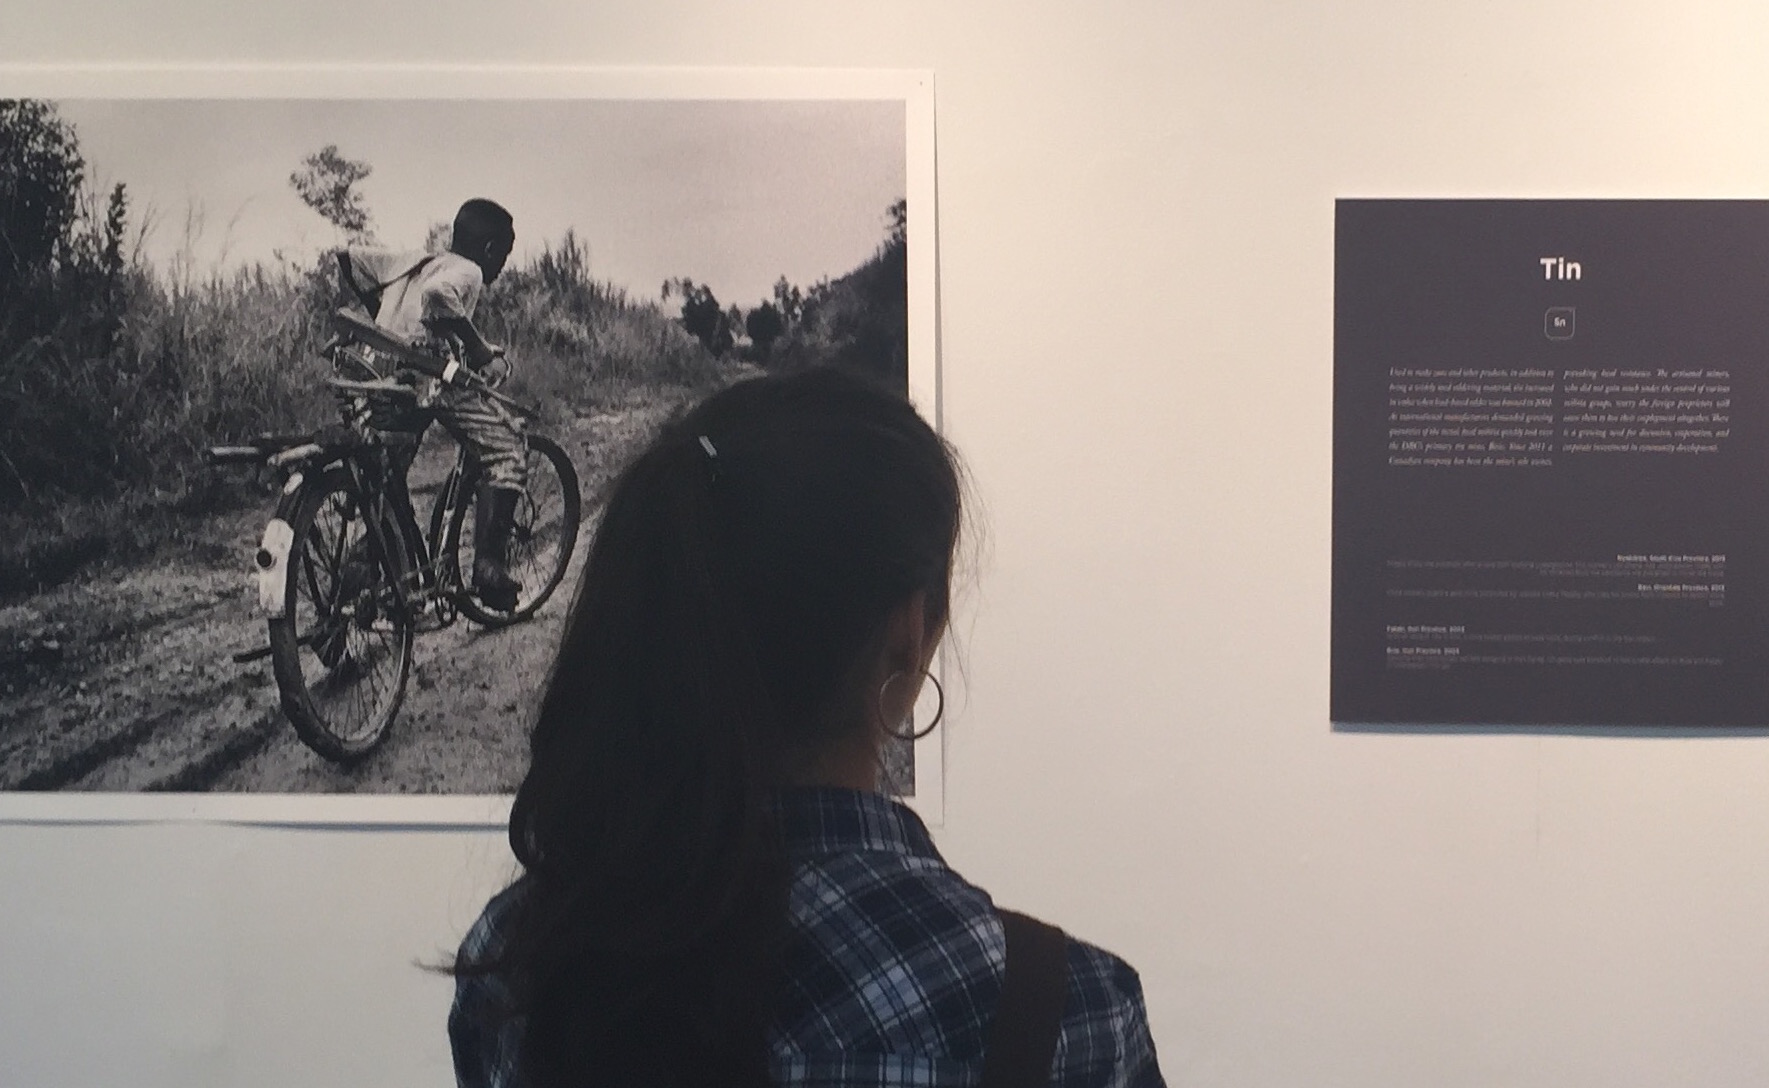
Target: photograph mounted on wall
(308, 404)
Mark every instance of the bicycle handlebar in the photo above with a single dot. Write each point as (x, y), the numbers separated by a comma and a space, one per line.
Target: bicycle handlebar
(233, 455)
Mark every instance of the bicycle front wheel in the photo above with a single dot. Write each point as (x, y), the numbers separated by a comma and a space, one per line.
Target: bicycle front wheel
(542, 539)
(342, 648)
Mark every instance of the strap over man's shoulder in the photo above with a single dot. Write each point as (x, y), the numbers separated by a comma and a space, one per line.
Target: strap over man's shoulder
(1022, 1039)
(369, 294)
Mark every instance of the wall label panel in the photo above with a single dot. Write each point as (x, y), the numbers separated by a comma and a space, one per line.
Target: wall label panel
(1548, 463)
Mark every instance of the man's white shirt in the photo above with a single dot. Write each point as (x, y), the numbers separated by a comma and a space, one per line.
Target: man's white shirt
(447, 285)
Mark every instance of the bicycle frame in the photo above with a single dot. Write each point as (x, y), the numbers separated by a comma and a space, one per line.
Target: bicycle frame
(428, 580)
(432, 582)
(428, 583)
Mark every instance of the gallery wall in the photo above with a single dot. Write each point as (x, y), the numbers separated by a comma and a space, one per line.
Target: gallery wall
(1135, 247)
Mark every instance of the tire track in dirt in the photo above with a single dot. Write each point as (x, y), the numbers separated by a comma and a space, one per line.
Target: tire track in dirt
(123, 681)
(135, 656)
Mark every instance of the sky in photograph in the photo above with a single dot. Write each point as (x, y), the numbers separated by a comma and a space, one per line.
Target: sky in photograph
(733, 194)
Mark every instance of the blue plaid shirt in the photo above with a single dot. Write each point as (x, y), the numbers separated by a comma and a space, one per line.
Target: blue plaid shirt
(893, 965)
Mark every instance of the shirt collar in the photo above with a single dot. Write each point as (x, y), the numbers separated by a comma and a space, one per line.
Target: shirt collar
(825, 820)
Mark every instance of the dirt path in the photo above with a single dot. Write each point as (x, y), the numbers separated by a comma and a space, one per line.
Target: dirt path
(123, 680)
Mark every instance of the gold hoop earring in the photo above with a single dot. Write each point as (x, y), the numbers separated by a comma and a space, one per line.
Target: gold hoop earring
(939, 708)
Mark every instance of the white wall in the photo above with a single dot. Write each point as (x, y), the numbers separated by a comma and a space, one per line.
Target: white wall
(1135, 218)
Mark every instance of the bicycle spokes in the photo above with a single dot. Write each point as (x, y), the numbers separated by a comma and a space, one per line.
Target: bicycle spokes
(343, 650)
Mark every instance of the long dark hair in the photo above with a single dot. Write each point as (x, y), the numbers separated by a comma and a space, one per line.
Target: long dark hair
(735, 595)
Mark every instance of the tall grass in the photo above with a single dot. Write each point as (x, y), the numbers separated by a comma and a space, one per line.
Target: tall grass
(112, 385)
(577, 341)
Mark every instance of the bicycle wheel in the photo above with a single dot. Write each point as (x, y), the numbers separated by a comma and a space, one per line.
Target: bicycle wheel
(541, 542)
(342, 649)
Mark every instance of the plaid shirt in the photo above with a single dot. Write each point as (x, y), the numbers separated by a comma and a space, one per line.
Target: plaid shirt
(893, 965)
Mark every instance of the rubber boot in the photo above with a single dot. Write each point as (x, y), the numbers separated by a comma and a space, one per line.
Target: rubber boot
(493, 518)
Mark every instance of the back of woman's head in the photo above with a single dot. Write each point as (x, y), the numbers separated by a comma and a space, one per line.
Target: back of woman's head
(734, 601)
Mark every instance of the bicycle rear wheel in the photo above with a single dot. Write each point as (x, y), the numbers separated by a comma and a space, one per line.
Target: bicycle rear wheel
(342, 649)
(541, 542)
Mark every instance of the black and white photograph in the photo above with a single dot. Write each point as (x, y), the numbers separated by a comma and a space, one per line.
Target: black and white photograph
(278, 543)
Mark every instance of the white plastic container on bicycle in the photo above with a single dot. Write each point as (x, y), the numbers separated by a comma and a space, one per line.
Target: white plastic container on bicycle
(272, 561)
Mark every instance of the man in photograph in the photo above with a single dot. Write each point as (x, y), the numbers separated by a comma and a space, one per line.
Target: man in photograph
(431, 297)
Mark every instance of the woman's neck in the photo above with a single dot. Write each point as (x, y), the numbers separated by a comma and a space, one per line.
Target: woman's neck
(851, 765)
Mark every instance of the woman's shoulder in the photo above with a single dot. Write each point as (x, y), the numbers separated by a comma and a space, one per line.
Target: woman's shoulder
(1105, 1036)
(485, 939)
(892, 951)
(918, 967)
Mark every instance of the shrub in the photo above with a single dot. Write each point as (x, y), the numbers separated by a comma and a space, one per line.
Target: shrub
(859, 321)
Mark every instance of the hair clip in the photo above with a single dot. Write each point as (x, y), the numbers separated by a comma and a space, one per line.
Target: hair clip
(712, 457)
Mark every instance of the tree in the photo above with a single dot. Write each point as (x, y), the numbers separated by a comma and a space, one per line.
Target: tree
(789, 302)
(116, 221)
(764, 326)
(41, 174)
(327, 183)
(706, 321)
(702, 315)
(898, 216)
(98, 260)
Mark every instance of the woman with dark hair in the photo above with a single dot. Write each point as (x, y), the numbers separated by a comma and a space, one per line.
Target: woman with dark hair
(712, 891)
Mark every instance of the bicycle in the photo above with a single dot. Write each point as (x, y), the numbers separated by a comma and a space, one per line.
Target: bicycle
(345, 577)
